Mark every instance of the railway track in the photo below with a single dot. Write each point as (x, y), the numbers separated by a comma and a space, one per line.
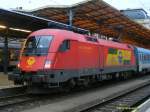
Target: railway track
(19, 102)
(14, 99)
(13, 96)
(12, 91)
(125, 101)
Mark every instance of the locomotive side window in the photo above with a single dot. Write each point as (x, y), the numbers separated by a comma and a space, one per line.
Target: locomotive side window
(65, 46)
(140, 56)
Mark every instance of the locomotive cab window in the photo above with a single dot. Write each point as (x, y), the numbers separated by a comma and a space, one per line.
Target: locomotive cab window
(37, 45)
(64, 46)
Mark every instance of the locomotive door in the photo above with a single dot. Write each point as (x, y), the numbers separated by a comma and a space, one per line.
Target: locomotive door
(101, 58)
(67, 59)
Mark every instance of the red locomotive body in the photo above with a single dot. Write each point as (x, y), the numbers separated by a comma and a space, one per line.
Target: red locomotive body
(54, 58)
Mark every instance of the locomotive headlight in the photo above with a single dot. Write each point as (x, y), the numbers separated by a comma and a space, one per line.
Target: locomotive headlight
(47, 64)
(18, 65)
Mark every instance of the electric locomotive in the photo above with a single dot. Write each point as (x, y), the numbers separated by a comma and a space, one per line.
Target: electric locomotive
(54, 58)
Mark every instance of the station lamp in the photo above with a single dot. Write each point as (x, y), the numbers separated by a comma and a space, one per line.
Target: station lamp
(21, 30)
(2, 27)
(15, 29)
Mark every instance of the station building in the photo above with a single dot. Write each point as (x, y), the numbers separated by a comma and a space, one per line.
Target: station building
(138, 15)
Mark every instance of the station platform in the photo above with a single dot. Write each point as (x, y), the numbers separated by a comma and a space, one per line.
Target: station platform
(4, 82)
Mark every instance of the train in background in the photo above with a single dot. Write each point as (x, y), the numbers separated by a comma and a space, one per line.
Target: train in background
(54, 58)
(13, 55)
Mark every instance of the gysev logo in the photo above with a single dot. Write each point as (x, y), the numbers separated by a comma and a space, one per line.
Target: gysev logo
(31, 61)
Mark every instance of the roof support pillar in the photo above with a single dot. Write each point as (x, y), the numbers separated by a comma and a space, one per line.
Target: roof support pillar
(120, 36)
(120, 30)
(5, 52)
(70, 15)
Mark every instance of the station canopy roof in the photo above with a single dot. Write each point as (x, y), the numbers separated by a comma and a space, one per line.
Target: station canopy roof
(19, 24)
(94, 15)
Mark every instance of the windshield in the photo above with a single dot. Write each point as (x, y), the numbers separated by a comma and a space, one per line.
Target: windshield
(37, 45)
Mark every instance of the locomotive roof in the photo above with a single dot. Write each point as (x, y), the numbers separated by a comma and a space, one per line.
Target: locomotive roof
(64, 34)
(114, 44)
(143, 50)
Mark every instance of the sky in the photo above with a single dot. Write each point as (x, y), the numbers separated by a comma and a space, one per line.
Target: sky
(32, 4)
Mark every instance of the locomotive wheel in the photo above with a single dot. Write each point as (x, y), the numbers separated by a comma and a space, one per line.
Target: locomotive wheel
(86, 82)
(69, 85)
